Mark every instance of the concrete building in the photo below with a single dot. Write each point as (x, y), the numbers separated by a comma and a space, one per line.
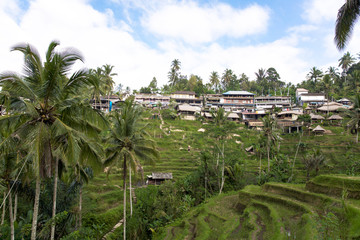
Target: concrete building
(188, 97)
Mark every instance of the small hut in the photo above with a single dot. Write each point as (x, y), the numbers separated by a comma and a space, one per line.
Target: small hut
(318, 130)
(158, 178)
(316, 118)
(335, 119)
(233, 117)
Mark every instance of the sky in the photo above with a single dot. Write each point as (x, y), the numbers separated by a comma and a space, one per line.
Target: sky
(141, 38)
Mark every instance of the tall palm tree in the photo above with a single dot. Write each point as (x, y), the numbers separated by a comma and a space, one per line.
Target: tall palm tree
(96, 89)
(345, 63)
(215, 81)
(354, 115)
(227, 77)
(315, 74)
(174, 73)
(108, 79)
(270, 134)
(48, 115)
(129, 143)
(346, 19)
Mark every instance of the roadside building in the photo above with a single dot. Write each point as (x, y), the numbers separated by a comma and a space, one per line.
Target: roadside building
(152, 99)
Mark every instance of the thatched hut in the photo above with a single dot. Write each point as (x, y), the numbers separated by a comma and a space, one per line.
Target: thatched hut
(158, 178)
(318, 130)
(335, 119)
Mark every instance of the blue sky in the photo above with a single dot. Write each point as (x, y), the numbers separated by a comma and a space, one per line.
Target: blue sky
(141, 37)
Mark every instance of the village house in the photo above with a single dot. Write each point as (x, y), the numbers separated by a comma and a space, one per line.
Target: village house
(158, 178)
(331, 107)
(187, 97)
(187, 112)
(106, 103)
(269, 102)
(237, 98)
(344, 101)
(152, 99)
(289, 115)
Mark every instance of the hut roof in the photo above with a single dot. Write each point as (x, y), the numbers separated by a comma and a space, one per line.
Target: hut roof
(159, 175)
(290, 112)
(256, 124)
(233, 115)
(317, 117)
(207, 114)
(318, 129)
(335, 117)
(330, 108)
(187, 108)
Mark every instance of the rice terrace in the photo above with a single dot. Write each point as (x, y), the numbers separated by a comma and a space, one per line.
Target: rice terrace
(94, 151)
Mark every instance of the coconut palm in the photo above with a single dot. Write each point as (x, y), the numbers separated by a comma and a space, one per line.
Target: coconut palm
(48, 115)
(215, 81)
(95, 79)
(174, 73)
(315, 74)
(129, 143)
(227, 77)
(270, 134)
(345, 63)
(346, 19)
(108, 79)
(354, 115)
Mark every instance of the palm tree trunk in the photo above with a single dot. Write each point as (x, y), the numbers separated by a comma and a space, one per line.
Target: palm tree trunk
(131, 207)
(12, 230)
(3, 212)
(260, 166)
(52, 237)
(222, 170)
(80, 206)
(268, 155)
(36, 209)
(124, 179)
(15, 206)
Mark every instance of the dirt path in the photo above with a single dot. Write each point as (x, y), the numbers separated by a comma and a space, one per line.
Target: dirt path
(162, 123)
(259, 233)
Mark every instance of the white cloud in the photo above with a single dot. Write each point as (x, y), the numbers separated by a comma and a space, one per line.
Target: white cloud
(201, 24)
(317, 11)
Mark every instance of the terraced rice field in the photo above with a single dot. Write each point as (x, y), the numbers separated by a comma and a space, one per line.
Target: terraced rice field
(275, 211)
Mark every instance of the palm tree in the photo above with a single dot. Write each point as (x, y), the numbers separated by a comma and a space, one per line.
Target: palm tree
(129, 143)
(95, 79)
(315, 74)
(227, 77)
(354, 115)
(345, 63)
(346, 19)
(49, 116)
(174, 72)
(108, 79)
(215, 81)
(270, 134)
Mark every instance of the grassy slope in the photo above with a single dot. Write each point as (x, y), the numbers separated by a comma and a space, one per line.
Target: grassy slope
(102, 195)
(273, 211)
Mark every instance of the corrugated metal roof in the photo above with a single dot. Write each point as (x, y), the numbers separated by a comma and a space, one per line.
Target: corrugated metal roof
(238, 93)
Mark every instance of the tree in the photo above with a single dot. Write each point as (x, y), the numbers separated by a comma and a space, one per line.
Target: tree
(108, 79)
(270, 134)
(129, 143)
(345, 62)
(215, 81)
(227, 77)
(48, 114)
(315, 74)
(346, 19)
(313, 160)
(354, 115)
(153, 85)
(174, 72)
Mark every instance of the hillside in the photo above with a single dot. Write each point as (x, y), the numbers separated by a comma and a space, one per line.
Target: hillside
(276, 211)
(103, 195)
